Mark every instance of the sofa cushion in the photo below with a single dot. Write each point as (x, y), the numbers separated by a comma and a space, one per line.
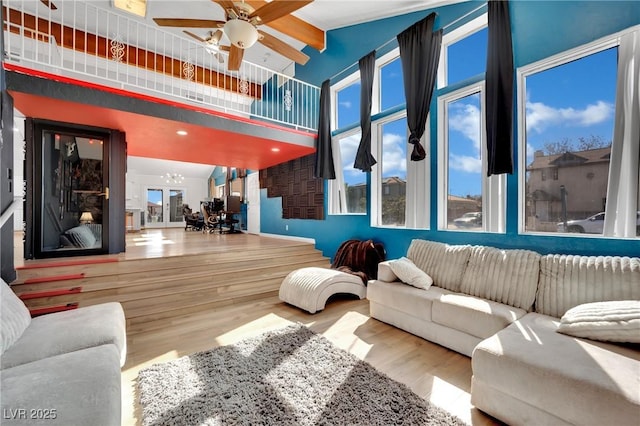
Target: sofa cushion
(77, 388)
(408, 299)
(14, 317)
(410, 274)
(473, 315)
(567, 281)
(505, 276)
(385, 273)
(616, 321)
(68, 331)
(444, 263)
(579, 381)
(81, 236)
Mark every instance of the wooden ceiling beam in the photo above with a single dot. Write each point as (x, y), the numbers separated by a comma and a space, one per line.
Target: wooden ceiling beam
(295, 27)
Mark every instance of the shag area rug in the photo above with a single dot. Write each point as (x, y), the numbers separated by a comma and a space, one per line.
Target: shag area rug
(290, 376)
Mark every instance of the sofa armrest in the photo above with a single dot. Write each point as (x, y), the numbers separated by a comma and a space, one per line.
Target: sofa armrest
(385, 273)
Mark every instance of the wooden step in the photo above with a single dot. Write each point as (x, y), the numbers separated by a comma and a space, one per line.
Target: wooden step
(159, 291)
(172, 285)
(167, 263)
(123, 279)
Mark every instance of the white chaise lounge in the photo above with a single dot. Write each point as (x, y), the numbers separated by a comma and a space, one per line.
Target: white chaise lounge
(310, 288)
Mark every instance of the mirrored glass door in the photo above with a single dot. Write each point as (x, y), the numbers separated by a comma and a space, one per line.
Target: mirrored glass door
(73, 192)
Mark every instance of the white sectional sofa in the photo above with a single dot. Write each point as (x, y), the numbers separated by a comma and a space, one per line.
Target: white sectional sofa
(61, 368)
(503, 308)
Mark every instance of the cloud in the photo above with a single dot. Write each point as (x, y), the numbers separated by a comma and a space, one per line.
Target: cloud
(465, 163)
(541, 116)
(465, 118)
(345, 104)
(394, 155)
(348, 149)
(530, 153)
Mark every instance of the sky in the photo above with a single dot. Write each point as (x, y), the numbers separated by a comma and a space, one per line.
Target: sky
(570, 101)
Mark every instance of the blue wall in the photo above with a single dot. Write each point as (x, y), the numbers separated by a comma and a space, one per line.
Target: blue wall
(540, 29)
(219, 175)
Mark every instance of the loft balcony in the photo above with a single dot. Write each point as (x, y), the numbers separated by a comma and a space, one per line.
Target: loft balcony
(98, 48)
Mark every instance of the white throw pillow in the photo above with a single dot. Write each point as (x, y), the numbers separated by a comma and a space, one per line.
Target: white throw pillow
(410, 274)
(615, 321)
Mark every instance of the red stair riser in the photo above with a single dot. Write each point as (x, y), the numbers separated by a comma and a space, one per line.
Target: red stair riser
(39, 280)
(52, 293)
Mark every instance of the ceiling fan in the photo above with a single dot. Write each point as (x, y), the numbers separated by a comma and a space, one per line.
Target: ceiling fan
(211, 43)
(241, 28)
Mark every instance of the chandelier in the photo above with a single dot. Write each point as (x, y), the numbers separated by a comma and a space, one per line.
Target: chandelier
(172, 177)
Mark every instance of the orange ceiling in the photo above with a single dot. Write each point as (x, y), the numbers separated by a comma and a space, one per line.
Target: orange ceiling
(154, 137)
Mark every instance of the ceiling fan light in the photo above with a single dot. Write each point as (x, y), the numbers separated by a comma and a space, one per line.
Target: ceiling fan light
(212, 48)
(241, 33)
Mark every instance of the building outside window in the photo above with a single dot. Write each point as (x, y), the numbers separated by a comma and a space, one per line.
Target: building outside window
(570, 108)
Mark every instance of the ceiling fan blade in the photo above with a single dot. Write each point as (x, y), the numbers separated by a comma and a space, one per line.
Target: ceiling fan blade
(49, 4)
(216, 36)
(188, 23)
(283, 48)
(235, 58)
(225, 48)
(227, 5)
(295, 27)
(197, 37)
(277, 9)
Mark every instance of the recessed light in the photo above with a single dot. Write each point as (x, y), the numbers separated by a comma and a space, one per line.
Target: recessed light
(275, 149)
(182, 132)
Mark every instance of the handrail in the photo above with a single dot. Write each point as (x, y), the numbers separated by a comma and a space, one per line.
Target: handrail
(93, 44)
(10, 210)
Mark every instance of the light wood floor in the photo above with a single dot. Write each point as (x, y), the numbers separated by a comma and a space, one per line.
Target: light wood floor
(431, 371)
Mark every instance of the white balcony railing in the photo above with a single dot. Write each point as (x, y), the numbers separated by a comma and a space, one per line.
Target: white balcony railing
(83, 41)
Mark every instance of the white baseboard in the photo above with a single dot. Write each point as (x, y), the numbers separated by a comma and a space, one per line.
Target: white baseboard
(289, 237)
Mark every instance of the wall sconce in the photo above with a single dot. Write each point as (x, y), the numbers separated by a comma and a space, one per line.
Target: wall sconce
(86, 217)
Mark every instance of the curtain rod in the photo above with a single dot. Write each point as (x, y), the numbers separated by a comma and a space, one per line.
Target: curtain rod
(344, 70)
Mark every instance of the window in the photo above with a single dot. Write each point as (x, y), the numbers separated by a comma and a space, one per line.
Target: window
(469, 200)
(464, 52)
(348, 192)
(568, 106)
(461, 65)
(391, 81)
(347, 103)
(392, 168)
(400, 187)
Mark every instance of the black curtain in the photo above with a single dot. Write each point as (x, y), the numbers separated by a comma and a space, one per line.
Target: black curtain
(419, 53)
(324, 153)
(364, 159)
(499, 81)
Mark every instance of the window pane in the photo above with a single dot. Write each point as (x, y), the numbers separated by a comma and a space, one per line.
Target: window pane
(464, 200)
(176, 200)
(392, 85)
(467, 57)
(355, 182)
(155, 205)
(394, 172)
(348, 105)
(569, 119)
